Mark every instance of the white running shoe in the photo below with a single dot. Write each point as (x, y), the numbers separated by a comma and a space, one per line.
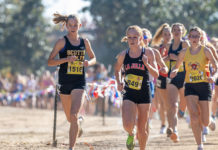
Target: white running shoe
(212, 125)
(200, 147)
(204, 139)
(81, 119)
(205, 131)
(163, 129)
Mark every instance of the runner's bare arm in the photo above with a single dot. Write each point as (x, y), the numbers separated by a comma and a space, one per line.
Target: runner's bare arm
(214, 52)
(173, 57)
(180, 59)
(150, 62)
(58, 46)
(185, 44)
(90, 53)
(178, 63)
(160, 61)
(212, 60)
(117, 69)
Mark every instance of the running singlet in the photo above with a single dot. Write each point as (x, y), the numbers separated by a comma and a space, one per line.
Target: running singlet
(136, 74)
(173, 62)
(197, 69)
(163, 51)
(71, 72)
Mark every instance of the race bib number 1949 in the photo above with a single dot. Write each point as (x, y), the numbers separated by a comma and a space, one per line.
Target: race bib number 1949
(134, 81)
(75, 67)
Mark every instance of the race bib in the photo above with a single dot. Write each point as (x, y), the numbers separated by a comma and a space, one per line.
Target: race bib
(134, 81)
(195, 76)
(75, 67)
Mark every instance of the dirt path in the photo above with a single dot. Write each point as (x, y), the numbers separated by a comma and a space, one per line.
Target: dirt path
(26, 129)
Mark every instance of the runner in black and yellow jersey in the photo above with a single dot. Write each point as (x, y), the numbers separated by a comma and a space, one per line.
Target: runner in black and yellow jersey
(197, 81)
(147, 36)
(137, 62)
(71, 49)
(175, 87)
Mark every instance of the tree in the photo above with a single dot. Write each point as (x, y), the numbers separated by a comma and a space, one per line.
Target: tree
(23, 45)
(113, 17)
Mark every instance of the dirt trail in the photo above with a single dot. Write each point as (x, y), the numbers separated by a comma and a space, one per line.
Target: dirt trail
(31, 129)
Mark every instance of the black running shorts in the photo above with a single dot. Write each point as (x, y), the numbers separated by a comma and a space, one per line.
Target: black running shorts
(202, 90)
(67, 88)
(179, 79)
(161, 82)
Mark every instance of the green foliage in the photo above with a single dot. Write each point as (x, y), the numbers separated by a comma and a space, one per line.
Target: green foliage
(112, 17)
(23, 30)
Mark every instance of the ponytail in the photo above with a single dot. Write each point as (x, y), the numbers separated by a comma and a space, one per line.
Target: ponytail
(158, 35)
(63, 19)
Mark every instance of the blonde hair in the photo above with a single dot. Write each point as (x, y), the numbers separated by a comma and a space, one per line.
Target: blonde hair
(158, 35)
(137, 29)
(179, 24)
(58, 18)
(204, 40)
(203, 36)
(195, 28)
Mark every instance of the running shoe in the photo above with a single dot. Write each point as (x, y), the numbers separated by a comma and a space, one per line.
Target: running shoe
(204, 139)
(130, 143)
(163, 129)
(200, 148)
(81, 119)
(169, 132)
(212, 124)
(205, 131)
(174, 137)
